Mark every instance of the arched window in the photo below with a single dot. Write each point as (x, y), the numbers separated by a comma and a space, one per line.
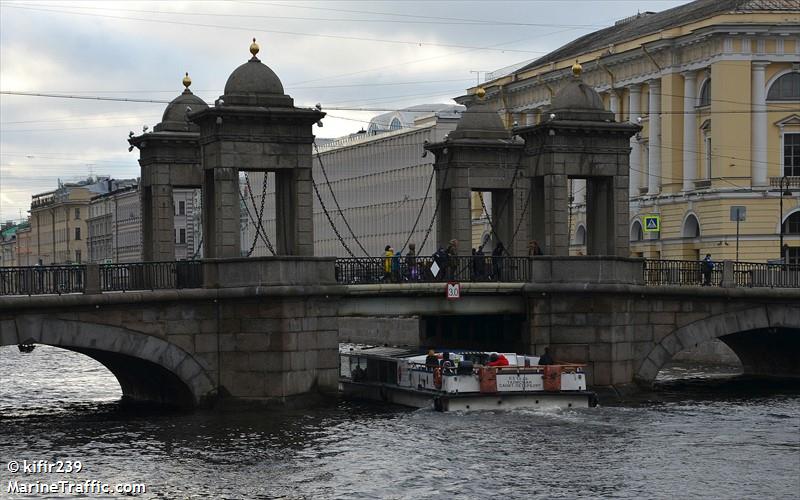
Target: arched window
(395, 125)
(785, 88)
(580, 236)
(691, 228)
(792, 224)
(705, 94)
(636, 231)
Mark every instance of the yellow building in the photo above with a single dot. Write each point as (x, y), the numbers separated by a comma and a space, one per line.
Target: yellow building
(716, 86)
(58, 222)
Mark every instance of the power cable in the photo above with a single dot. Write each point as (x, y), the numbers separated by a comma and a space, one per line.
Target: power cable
(438, 20)
(275, 32)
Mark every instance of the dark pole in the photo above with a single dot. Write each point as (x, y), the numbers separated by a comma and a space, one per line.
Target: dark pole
(780, 220)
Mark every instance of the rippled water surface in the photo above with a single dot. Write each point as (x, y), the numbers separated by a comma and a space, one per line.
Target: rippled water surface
(699, 436)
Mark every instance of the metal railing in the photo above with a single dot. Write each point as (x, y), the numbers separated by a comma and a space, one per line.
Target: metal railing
(151, 275)
(40, 280)
(681, 273)
(756, 274)
(482, 268)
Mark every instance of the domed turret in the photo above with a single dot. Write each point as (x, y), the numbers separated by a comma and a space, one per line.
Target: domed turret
(480, 121)
(255, 84)
(175, 115)
(578, 101)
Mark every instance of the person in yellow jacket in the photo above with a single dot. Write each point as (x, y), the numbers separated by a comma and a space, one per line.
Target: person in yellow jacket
(387, 263)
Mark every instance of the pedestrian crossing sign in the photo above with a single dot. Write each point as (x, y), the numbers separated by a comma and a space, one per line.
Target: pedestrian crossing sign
(652, 223)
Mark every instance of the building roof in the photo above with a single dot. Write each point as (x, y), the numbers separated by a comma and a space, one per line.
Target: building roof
(175, 117)
(405, 117)
(647, 23)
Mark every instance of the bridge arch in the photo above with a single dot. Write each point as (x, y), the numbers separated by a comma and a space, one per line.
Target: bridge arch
(149, 369)
(765, 338)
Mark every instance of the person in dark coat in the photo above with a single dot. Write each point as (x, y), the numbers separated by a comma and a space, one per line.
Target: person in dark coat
(546, 359)
(706, 268)
(497, 261)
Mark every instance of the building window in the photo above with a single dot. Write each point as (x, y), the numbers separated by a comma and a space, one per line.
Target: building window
(77, 214)
(792, 224)
(182, 238)
(395, 124)
(705, 94)
(580, 236)
(636, 231)
(78, 256)
(791, 155)
(691, 227)
(181, 208)
(785, 88)
(77, 233)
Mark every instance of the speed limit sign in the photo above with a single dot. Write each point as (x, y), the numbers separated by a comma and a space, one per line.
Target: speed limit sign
(453, 290)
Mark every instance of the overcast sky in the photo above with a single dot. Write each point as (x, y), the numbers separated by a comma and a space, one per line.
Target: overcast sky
(374, 54)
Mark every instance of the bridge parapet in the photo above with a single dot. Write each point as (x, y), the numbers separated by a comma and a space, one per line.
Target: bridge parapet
(265, 271)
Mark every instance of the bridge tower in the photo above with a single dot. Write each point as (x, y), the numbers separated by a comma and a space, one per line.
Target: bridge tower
(479, 155)
(579, 140)
(169, 157)
(254, 126)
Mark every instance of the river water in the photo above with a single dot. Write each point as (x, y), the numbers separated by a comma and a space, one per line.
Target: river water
(702, 434)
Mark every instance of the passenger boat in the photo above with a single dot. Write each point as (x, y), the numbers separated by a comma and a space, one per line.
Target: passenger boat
(460, 380)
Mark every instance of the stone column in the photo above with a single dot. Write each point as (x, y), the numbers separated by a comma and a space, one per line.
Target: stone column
(634, 107)
(530, 117)
(600, 218)
(158, 222)
(556, 215)
(613, 103)
(758, 146)
(304, 214)
(654, 157)
(285, 214)
(461, 219)
(221, 221)
(689, 130)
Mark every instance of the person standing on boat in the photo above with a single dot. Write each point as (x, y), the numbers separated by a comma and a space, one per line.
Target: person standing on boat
(546, 359)
(534, 249)
(497, 360)
(431, 360)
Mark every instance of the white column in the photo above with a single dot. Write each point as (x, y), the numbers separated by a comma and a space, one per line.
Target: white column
(758, 147)
(689, 130)
(579, 191)
(634, 107)
(613, 103)
(654, 158)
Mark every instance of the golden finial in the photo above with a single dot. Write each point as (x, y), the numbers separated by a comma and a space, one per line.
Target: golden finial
(576, 69)
(254, 48)
(481, 92)
(187, 81)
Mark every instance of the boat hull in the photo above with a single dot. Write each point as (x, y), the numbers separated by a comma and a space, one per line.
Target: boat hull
(421, 398)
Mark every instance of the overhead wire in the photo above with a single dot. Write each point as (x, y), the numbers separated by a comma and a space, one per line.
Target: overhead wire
(276, 32)
(419, 19)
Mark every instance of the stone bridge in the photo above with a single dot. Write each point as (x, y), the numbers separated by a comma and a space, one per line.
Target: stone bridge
(264, 330)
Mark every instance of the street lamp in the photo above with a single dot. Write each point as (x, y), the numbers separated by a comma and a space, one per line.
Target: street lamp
(783, 191)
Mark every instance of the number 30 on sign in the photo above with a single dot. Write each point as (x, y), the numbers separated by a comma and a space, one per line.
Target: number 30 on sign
(453, 290)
